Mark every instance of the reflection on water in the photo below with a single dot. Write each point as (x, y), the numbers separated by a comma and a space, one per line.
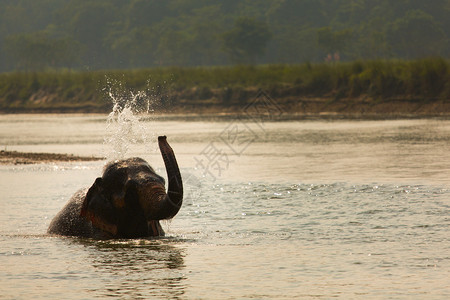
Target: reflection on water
(137, 269)
(38, 266)
(310, 209)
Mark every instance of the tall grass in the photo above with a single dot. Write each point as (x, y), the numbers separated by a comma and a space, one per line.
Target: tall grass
(425, 80)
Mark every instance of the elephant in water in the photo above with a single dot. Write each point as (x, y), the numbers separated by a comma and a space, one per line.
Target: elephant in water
(126, 202)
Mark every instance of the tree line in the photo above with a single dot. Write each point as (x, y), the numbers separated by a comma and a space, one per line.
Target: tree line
(85, 35)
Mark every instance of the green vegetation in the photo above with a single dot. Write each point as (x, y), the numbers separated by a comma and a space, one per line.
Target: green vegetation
(41, 35)
(190, 89)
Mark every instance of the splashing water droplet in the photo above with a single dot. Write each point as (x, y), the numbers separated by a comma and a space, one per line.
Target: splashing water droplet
(124, 125)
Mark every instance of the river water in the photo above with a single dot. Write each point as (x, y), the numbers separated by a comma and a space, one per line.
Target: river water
(287, 209)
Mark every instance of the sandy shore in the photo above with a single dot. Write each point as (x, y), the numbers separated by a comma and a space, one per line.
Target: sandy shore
(18, 158)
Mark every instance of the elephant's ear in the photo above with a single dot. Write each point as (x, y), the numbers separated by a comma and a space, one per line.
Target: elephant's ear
(98, 210)
(95, 189)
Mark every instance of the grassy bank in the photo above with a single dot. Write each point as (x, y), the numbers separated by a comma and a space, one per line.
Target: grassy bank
(355, 87)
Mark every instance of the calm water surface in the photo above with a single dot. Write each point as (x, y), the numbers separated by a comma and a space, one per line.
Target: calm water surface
(294, 209)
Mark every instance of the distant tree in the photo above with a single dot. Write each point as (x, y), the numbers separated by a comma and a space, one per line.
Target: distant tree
(134, 48)
(205, 26)
(416, 34)
(90, 24)
(246, 41)
(173, 48)
(142, 13)
(297, 14)
(293, 46)
(105, 34)
(333, 41)
(371, 41)
(34, 52)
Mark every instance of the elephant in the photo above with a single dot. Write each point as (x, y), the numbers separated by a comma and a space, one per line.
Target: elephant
(127, 202)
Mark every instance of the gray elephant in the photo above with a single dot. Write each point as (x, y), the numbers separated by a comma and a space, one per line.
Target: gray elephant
(126, 202)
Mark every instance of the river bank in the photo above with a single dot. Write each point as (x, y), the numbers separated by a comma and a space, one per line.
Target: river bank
(289, 108)
(362, 88)
(25, 158)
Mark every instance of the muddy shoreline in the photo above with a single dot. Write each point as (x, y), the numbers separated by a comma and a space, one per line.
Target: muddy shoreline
(284, 108)
(25, 158)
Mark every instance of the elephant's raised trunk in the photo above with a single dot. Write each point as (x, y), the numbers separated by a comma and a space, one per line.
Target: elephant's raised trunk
(171, 204)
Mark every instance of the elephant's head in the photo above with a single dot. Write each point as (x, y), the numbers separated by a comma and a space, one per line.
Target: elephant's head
(130, 198)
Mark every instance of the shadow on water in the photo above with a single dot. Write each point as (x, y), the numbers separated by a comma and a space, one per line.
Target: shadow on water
(136, 269)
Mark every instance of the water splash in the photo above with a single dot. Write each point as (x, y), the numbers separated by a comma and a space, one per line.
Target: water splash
(125, 126)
